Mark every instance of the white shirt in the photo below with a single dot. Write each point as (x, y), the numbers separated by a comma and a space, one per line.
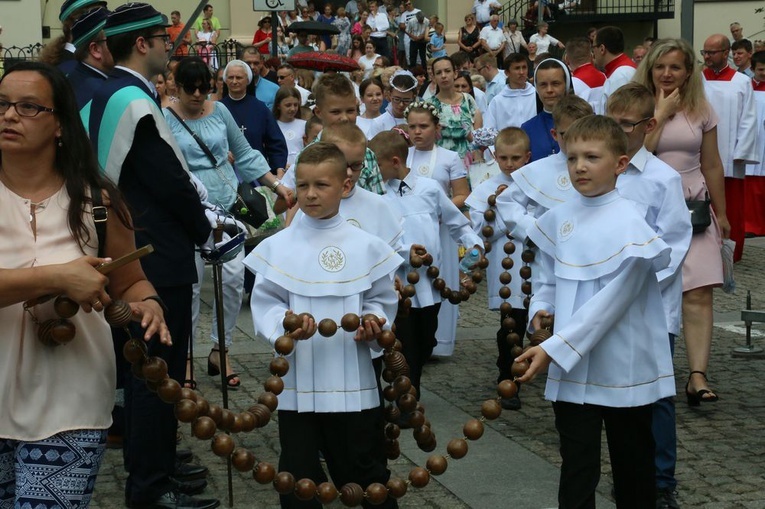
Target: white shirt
(368, 64)
(515, 41)
(293, 134)
(482, 10)
(543, 42)
(494, 37)
(758, 170)
(495, 86)
(511, 107)
(379, 24)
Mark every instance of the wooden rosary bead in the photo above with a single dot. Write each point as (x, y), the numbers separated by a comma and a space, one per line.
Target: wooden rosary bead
(222, 445)
(514, 338)
(547, 322)
(432, 272)
(203, 407)
(525, 272)
(227, 420)
(263, 473)
(137, 368)
(487, 231)
(457, 448)
(491, 409)
(539, 336)
(408, 291)
(504, 292)
(396, 362)
(454, 297)
(216, 414)
(390, 393)
(415, 261)
(526, 302)
(445, 293)
(492, 200)
(386, 339)
(389, 375)
(118, 314)
(419, 477)
(436, 464)
(134, 350)
(326, 493)
(509, 248)
(327, 327)
(402, 384)
(507, 263)
(505, 308)
(407, 402)
(489, 215)
(471, 287)
(279, 366)
(248, 422)
(292, 322)
(274, 384)
(369, 317)
(392, 431)
(154, 369)
(376, 493)
(261, 413)
(187, 393)
(44, 332)
(185, 410)
(476, 276)
(526, 288)
(350, 322)
(519, 368)
(422, 434)
(427, 259)
(416, 419)
(507, 389)
(464, 294)
(527, 256)
(351, 494)
(428, 446)
(413, 277)
(392, 413)
(473, 429)
(505, 278)
(303, 316)
(439, 284)
(396, 487)
(242, 459)
(203, 428)
(284, 483)
(508, 323)
(65, 307)
(398, 345)
(486, 250)
(516, 351)
(392, 449)
(284, 345)
(169, 390)
(305, 489)
(62, 331)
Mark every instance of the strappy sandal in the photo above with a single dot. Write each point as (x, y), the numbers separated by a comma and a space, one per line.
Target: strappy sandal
(696, 398)
(214, 369)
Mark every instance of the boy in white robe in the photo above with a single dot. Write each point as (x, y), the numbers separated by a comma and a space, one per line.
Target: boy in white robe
(658, 190)
(516, 102)
(609, 358)
(543, 184)
(424, 206)
(512, 152)
(324, 266)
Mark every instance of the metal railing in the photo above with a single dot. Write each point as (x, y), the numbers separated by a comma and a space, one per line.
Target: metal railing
(13, 54)
(589, 10)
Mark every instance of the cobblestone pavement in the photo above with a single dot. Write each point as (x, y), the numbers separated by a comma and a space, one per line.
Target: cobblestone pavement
(721, 447)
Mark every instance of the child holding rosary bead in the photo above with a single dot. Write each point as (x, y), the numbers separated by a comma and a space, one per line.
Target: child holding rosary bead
(324, 266)
(512, 152)
(425, 207)
(609, 358)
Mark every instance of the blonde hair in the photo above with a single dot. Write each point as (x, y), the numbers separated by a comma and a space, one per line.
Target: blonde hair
(571, 107)
(598, 128)
(510, 136)
(343, 133)
(632, 96)
(389, 144)
(692, 97)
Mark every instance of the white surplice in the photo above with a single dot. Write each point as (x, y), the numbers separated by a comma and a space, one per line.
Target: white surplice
(327, 268)
(600, 260)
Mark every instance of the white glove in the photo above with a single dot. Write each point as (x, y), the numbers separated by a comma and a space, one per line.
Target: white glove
(199, 186)
(210, 245)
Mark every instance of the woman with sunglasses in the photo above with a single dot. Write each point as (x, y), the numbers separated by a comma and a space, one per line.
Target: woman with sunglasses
(468, 41)
(218, 131)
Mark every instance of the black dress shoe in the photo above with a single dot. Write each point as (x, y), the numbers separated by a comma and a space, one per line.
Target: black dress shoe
(188, 472)
(194, 487)
(173, 500)
(184, 455)
(513, 403)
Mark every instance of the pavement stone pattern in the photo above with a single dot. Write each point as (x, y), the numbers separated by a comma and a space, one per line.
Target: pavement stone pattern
(721, 446)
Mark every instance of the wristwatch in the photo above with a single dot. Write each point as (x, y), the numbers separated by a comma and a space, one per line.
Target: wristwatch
(276, 184)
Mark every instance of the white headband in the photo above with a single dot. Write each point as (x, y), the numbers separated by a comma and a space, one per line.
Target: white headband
(240, 63)
(563, 66)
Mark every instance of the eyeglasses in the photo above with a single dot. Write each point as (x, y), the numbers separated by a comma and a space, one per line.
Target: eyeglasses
(628, 127)
(23, 108)
(710, 52)
(357, 166)
(191, 89)
(481, 68)
(399, 100)
(164, 37)
(279, 78)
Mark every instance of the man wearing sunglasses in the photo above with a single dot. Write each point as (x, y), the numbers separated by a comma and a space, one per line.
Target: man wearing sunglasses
(137, 151)
(730, 94)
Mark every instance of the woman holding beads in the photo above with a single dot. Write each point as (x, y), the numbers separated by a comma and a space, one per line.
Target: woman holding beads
(426, 159)
(48, 174)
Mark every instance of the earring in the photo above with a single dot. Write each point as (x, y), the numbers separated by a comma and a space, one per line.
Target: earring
(60, 142)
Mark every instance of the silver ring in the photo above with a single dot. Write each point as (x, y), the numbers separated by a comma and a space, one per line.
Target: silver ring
(97, 303)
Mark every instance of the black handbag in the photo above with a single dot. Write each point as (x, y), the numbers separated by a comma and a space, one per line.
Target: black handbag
(701, 214)
(250, 206)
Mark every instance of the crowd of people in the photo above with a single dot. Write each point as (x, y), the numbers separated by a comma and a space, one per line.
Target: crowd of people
(366, 170)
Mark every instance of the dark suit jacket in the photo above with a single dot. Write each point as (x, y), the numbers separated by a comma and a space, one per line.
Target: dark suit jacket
(85, 81)
(166, 208)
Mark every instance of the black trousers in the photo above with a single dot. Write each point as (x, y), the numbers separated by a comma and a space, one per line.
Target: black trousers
(417, 48)
(504, 357)
(352, 444)
(150, 425)
(417, 333)
(381, 46)
(630, 446)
